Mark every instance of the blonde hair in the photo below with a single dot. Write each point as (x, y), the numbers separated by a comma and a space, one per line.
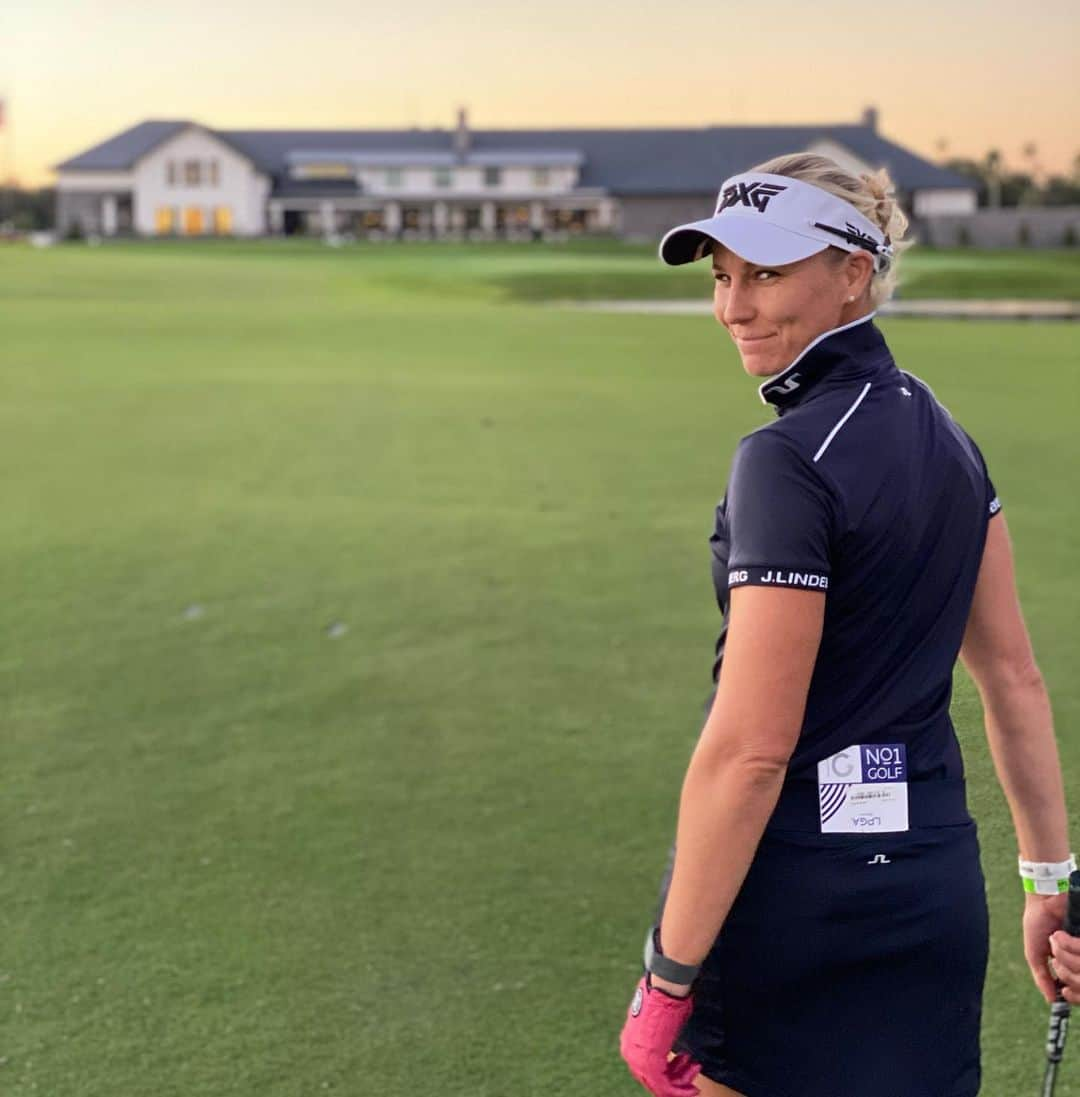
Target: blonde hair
(872, 195)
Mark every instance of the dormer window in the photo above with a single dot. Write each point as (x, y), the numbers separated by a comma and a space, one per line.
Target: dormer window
(442, 177)
(492, 177)
(323, 169)
(541, 177)
(393, 177)
(192, 173)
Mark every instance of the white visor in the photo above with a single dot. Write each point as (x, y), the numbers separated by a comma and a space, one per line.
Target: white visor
(774, 219)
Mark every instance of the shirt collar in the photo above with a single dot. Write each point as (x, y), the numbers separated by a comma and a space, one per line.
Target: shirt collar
(844, 354)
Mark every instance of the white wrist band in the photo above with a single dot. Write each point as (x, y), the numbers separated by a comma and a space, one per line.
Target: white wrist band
(1047, 877)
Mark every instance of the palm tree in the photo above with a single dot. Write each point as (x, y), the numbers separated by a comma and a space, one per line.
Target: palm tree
(992, 169)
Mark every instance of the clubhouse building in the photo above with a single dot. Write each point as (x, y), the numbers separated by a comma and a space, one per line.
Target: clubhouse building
(182, 178)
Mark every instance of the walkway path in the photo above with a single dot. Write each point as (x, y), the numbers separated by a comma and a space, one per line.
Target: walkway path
(1003, 309)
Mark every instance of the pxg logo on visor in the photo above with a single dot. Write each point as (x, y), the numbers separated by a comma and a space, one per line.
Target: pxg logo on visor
(754, 194)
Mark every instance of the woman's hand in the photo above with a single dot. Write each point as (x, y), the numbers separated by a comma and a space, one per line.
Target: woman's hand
(653, 1022)
(1044, 939)
(1066, 964)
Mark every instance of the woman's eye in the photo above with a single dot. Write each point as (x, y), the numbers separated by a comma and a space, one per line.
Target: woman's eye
(720, 277)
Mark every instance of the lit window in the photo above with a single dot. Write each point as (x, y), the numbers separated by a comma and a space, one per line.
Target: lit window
(541, 177)
(492, 177)
(163, 220)
(323, 170)
(193, 221)
(222, 220)
(192, 172)
(393, 177)
(442, 177)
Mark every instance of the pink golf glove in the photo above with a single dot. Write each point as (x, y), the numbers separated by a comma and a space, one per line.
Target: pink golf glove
(652, 1025)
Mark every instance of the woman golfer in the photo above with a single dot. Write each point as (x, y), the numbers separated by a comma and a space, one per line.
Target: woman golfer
(823, 928)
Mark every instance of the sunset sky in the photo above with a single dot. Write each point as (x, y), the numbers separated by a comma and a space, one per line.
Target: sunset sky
(976, 74)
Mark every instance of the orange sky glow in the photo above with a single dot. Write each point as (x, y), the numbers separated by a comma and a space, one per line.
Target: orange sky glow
(949, 79)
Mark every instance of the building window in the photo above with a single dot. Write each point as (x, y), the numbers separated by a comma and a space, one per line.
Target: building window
(442, 177)
(193, 221)
(492, 177)
(192, 172)
(372, 219)
(541, 177)
(393, 177)
(323, 170)
(223, 220)
(215, 173)
(164, 220)
(170, 173)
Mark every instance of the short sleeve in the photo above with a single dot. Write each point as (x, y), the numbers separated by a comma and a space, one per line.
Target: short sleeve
(780, 514)
(993, 502)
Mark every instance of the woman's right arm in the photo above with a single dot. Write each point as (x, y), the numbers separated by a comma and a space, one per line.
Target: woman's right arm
(997, 653)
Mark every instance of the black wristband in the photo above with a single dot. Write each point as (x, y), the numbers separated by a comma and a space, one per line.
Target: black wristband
(658, 964)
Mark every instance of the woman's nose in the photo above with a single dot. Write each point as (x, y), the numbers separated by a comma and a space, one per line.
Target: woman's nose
(736, 305)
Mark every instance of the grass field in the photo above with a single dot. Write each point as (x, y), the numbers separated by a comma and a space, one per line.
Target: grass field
(247, 852)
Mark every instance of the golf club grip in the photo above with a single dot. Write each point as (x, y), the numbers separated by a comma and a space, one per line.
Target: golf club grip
(1072, 912)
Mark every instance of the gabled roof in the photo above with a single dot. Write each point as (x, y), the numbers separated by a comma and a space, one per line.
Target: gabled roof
(119, 153)
(122, 152)
(621, 161)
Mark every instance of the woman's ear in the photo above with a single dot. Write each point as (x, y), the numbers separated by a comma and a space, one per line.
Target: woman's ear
(858, 271)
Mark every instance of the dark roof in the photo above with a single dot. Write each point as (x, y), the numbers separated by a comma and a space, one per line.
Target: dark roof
(622, 161)
(120, 152)
(654, 161)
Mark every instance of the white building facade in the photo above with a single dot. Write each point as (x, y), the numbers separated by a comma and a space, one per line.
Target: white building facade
(165, 179)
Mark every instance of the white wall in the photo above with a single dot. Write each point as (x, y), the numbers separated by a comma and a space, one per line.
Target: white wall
(240, 187)
(843, 156)
(960, 200)
(467, 180)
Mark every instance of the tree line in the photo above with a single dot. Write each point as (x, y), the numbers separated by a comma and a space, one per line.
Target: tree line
(1001, 185)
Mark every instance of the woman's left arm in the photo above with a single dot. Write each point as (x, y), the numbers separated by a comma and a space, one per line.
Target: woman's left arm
(738, 766)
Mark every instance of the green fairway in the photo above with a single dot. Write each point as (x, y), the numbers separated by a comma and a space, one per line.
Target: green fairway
(250, 853)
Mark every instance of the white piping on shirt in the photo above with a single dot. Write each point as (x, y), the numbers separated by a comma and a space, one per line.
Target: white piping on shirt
(783, 374)
(847, 415)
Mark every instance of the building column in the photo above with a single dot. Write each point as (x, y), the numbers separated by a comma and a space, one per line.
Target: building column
(440, 219)
(487, 217)
(326, 217)
(605, 214)
(277, 219)
(108, 215)
(392, 215)
(536, 216)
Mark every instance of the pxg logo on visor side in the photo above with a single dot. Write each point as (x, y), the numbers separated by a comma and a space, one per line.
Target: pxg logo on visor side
(753, 194)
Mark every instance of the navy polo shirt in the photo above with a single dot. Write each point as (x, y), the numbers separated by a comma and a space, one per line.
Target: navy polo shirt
(867, 489)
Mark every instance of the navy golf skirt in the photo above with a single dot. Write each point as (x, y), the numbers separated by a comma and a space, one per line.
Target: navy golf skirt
(850, 965)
